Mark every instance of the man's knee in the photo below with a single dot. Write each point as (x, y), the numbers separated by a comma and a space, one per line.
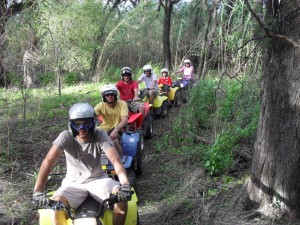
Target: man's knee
(142, 108)
(120, 208)
(59, 217)
(118, 146)
(62, 199)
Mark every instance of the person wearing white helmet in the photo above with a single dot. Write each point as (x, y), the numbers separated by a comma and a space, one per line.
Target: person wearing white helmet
(150, 79)
(114, 114)
(187, 70)
(128, 90)
(82, 146)
(165, 80)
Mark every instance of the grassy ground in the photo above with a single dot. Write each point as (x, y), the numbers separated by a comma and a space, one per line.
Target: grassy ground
(174, 189)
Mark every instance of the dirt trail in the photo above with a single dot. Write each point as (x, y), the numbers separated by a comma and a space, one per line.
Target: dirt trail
(151, 183)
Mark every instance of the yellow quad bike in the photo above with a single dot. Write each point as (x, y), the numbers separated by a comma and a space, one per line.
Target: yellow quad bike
(90, 212)
(174, 95)
(159, 106)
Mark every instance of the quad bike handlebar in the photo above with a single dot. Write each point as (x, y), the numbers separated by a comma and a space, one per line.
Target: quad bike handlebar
(130, 101)
(54, 205)
(57, 205)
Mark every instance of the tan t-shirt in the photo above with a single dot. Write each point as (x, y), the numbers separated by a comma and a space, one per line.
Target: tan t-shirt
(83, 159)
(111, 117)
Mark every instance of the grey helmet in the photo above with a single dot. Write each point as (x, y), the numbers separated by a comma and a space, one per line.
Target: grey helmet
(164, 70)
(147, 68)
(109, 89)
(82, 111)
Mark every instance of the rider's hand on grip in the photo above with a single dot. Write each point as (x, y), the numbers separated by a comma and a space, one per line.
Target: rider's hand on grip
(40, 198)
(124, 194)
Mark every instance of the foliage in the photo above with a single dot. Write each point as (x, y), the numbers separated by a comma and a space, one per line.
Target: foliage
(71, 78)
(15, 79)
(46, 78)
(236, 119)
(228, 107)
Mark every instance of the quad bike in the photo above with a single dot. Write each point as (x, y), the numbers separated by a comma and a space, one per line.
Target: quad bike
(137, 124)
(159, 106)
(174, 95)
(132, 142)
(90, 212)
(184, 85)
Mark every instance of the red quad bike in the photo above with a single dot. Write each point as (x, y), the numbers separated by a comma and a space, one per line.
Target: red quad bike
(136, 122)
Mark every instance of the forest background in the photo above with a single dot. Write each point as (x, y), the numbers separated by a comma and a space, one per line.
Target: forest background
(58, 52)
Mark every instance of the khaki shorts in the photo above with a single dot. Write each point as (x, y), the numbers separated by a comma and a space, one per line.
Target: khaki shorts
(76, 193)
(134, 106)
(147, 93)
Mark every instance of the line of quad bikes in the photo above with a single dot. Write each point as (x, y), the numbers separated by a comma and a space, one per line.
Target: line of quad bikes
(136, 131)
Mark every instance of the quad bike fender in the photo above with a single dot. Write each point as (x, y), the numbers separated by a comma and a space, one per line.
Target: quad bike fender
(158, 101)
(45, 217)
(130, 143)
(172, 93)
(136, 120)
(126, 160)
(131, 217)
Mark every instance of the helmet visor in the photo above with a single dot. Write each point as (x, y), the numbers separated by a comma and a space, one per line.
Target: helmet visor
(126, 74)
(82, 124)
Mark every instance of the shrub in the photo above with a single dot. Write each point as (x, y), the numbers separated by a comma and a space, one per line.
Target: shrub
(71, 78)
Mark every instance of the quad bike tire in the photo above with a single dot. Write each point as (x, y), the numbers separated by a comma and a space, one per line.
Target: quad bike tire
(177, 99)
(132, 179)
(139, 156)
(149, 125)
(164, 109)
(185, 95)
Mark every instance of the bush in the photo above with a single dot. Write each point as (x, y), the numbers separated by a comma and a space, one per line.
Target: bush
(46, 78)
(71, 78)
(230, 109)
(15, 79)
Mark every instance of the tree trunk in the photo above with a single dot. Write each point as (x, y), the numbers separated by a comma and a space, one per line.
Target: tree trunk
(5, 13)
(208, 40)
(3, 18)
(275, 173)
(95, 64)
(168, 6)
(166, 35)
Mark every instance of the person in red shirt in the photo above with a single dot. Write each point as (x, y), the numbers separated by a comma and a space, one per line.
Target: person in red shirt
(165, 80)
(128, 90)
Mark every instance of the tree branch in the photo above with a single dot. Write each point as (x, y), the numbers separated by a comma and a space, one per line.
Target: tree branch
(203, 140)
(268, 31)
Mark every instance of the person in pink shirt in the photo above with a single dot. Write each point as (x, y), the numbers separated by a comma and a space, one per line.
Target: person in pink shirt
(187, 70)
(165, 80)
(128, 90)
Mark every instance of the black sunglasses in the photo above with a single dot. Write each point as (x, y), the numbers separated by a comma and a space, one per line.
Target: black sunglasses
(110, 94)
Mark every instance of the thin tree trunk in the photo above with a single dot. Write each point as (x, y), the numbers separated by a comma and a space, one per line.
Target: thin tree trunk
(3, 18)
(5, 14)
(96, 55)
(166, 36)
(204, 44)
(207, 47)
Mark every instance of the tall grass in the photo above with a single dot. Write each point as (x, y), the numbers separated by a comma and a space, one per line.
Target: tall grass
(225, 113)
